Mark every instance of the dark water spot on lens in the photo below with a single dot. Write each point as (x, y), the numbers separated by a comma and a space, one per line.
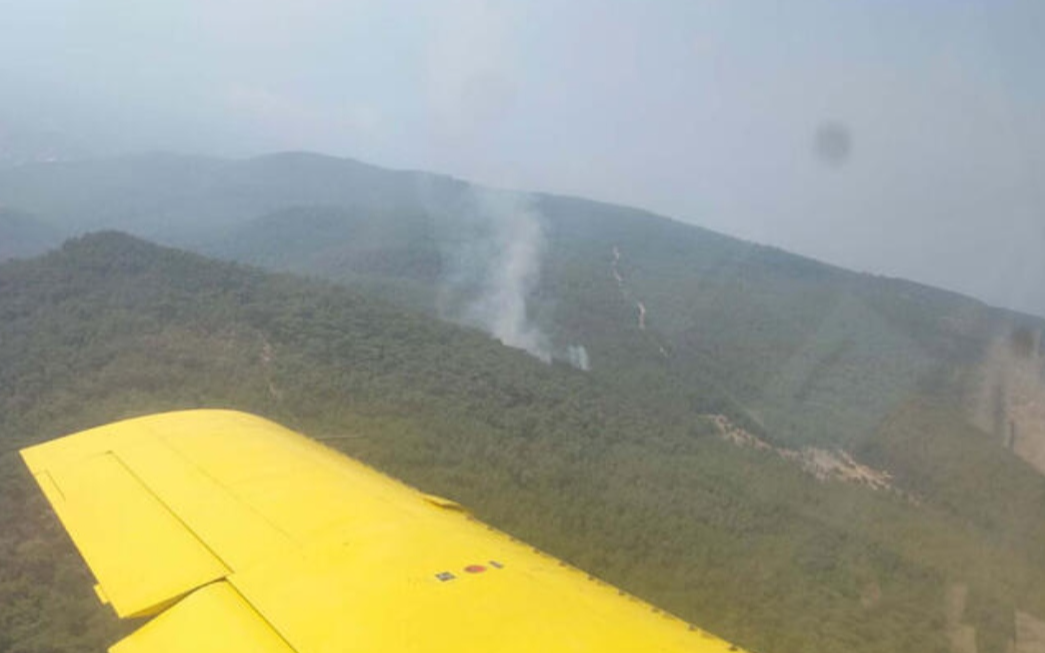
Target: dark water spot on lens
(832, 143)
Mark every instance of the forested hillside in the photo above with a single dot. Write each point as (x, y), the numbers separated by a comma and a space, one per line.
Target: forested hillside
(801, 353)
(798, 351)
(634, 484)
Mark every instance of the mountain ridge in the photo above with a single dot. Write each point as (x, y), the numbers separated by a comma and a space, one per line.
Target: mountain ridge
(298, 156)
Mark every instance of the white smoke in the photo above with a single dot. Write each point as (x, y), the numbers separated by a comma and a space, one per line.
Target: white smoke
(494, 264)
(577, 355)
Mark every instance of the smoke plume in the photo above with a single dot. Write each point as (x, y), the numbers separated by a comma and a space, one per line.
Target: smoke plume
(494, 264)
(578, 357)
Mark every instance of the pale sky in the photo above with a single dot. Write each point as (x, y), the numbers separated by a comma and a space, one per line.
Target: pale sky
(703, 110)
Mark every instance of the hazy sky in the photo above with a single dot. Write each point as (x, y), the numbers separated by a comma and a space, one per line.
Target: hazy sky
(705, 110)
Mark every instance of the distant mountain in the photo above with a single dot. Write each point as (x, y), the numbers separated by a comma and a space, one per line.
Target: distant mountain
(933, 534)
(191, 198)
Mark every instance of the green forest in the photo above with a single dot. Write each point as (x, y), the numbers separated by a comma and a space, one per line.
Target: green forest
(623, 475)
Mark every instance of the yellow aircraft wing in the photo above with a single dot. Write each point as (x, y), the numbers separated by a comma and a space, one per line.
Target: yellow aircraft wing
(237, 534)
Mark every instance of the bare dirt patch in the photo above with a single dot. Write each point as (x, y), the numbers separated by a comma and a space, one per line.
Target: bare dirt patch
(824, 464)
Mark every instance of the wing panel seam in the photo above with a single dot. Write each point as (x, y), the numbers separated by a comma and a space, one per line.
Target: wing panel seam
(177, 518)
